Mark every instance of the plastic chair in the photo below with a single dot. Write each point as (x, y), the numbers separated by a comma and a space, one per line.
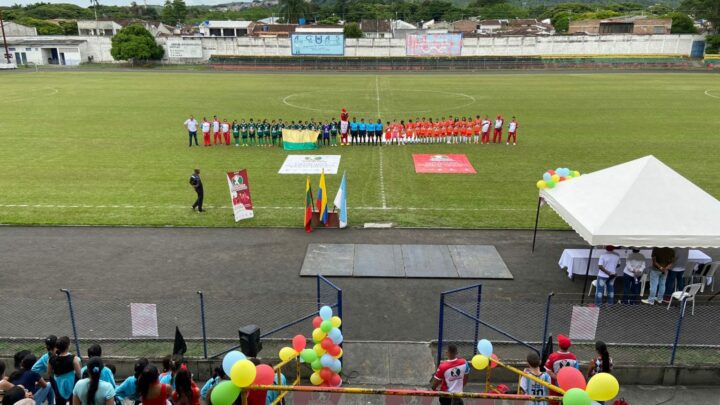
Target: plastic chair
(687, 294)
(709, 276)
(643, 282)
(688, 273)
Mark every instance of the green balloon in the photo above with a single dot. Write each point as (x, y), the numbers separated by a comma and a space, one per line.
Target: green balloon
(308, 355)
(326, 326)
(550, 184)
(574, 396)
(316, 365)
(225, 393)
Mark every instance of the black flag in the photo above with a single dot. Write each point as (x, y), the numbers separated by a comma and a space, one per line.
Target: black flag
(547, 349)
(179, 346)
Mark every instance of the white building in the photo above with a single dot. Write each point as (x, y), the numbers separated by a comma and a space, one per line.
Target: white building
(46, 51)
(98, 28)
(13, 29)
(225, 28)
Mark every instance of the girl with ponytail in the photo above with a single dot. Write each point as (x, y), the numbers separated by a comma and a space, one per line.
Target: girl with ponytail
(602, 363)
(92, 390)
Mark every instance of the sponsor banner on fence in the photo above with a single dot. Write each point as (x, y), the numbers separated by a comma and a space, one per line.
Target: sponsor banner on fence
(433, 45)
(310, 164)
(240, 194)
(317, 44)
(442, 164)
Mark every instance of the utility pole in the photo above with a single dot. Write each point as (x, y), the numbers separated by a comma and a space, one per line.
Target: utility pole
(2, 27)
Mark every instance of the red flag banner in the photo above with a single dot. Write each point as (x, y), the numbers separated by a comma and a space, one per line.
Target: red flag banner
(240, 194)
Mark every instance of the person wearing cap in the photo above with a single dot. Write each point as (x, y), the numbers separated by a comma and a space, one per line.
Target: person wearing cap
(561, 358)
(607, 266)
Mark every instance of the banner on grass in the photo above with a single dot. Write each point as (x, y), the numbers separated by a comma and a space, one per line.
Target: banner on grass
(457, 164)
(240, 194)
(310, 164)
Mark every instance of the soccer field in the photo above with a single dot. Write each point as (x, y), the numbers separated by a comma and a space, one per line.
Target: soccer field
(109, 147)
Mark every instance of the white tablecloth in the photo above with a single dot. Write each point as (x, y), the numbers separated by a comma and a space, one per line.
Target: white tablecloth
(575, 260)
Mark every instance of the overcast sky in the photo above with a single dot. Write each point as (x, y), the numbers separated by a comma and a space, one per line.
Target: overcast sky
(86, 3)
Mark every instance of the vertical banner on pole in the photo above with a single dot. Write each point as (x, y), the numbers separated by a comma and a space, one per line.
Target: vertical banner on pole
(240, 194)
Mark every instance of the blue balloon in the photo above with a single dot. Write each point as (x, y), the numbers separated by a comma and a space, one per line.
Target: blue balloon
(336, 366)
(327, 360)
(326, 313)
(485, 347)
(547, 176)
(230, 359)
(336, 336)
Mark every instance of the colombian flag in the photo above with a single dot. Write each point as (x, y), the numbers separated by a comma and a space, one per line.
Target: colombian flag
(322, 199)
(308, 206)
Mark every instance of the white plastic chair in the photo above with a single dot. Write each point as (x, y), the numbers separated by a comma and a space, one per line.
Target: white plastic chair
(688, 273)
(594, 285)
(709, 276)
(687, 294)
(643, 282)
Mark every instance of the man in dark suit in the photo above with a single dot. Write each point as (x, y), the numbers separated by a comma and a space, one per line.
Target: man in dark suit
(197, 185)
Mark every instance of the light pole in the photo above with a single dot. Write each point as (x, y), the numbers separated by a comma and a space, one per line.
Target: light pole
(2, 27)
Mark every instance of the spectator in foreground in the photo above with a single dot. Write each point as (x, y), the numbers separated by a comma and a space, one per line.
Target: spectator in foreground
(152, 392)
(128, 389)
(25, 377)
(166, 365)
(530, 387)
(674, 280)
(272, 395)
(41, 367)
(607, 267)
(451, 376)
(92, 390)
(602, 363)
(559, 359)
(662, 261)
(5, 385)
(217, 376)
(64, 367)
(186, 391)
(107, 375)
(634, 268)
(256, 397)
(15, 395)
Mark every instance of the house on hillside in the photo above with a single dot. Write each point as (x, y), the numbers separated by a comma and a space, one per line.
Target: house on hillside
(376, 28)
(528, 27)
(156, 28)
(228, 29)
(639, 25)
(400, 28)
(466, 27)
(13, 29)
(94, 28)
(490, 27)
(273, 30)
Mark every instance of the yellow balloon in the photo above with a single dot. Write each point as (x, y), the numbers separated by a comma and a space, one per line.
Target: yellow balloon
(602, 387)
(243, 373)
(541, 184)
(480, 362)
(318, 335)
(287, 353)
(319, 350)
(315, 379)
(555, 178)
(336, 321)
(576, 173)
(339, 354)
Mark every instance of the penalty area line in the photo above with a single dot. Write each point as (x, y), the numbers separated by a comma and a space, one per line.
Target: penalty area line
(707, 93)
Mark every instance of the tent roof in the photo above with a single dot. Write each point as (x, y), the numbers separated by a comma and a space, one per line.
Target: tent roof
(639, 203)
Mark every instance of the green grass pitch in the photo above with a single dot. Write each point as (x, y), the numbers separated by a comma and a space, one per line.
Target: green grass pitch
(109, 147)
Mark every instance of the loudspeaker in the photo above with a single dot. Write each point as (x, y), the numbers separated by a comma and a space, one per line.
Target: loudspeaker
(250, 343)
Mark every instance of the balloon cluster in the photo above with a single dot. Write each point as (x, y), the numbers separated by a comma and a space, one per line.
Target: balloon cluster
(482, 360)
(324, 357)
(601, 387)
(553, 177)
(243, 373)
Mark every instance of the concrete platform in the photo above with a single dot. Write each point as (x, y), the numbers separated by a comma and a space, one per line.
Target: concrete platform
(405, 261)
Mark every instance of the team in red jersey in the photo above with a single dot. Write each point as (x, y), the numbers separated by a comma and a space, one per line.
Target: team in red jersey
(450, 130)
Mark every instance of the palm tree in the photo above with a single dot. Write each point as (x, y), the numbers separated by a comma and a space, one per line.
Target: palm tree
(292, 10)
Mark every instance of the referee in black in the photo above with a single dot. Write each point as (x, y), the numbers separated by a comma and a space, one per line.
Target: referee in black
(197, 185)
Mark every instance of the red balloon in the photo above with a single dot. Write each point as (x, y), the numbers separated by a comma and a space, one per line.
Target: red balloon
(563, 178)
(316, 322)
(335, 380)
(551, 171)
(299, 342)
(334, 350)
(264, 375)
(327, 343)
(492, 363)
(326, 374)
(570, 377)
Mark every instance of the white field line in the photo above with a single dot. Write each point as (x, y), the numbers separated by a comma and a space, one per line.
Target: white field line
(382, 181)
(130, 206)
(377, 94)
(707, 93)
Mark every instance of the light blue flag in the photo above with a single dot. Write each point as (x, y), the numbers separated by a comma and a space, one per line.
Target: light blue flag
(341, 202)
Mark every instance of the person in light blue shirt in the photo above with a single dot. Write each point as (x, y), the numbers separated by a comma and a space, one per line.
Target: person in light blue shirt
(378, 132)
(272, 395)
(362, 130)
(128, 389)
(91, 390)
(370, 132)
(353, 131)
(105, 374)
(218, 375)
(41, 367)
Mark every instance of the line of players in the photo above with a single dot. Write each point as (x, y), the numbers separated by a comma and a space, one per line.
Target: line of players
(453, 130)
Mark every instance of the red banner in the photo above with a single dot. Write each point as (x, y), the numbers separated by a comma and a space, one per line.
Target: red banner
(457, 164)
(240, 194)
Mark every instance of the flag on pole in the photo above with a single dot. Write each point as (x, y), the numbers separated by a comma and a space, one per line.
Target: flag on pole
(341, 202)
(322, 199)
(308, 205)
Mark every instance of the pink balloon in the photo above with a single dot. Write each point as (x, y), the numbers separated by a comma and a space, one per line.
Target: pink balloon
(335, 380)
(316, 322)
(264, 375)
(570, 377)
(492, 363)
(299, 342)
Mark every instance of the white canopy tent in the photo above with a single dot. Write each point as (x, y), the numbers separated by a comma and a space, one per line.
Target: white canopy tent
(641, 203)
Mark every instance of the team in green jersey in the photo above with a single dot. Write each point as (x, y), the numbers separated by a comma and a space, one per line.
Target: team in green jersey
(269, 134)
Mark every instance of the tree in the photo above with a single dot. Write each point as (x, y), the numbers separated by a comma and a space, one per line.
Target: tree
(352, 30)
(293, 10)
(180, 10)
(712, 44)
(174, 12)
(681, 23)
(705, 9)
(134, 42)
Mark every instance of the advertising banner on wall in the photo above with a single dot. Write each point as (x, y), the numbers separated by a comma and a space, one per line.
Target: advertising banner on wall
(240, 194)
(181, 48)
(318, 44)
(433, 45)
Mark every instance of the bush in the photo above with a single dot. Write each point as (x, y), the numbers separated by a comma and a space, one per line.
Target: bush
(681, 23)
(352, 30)
(712, 44)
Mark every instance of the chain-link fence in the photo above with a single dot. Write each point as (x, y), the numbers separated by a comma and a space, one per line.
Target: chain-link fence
(635, 334)
(146, 326)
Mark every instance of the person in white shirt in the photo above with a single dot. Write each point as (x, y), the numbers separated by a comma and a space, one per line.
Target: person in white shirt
(512, 132)
(607, 266)
(674, 281)
(485, 131)
(226, 131)
(634, 268)
(206, 131)
(497, 132)
(192, 125)
(217, 137)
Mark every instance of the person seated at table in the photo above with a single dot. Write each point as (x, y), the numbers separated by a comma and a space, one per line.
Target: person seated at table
(634, 268)
(607, 266)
